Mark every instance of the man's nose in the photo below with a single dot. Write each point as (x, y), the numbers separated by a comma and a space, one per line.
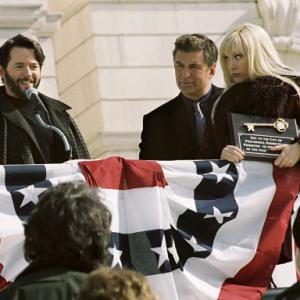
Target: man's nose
(186, 72)
(27, 71)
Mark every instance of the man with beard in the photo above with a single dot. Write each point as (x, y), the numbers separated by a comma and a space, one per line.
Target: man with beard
(38, 131)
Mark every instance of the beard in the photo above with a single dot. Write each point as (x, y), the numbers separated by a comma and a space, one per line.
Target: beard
(14, 87)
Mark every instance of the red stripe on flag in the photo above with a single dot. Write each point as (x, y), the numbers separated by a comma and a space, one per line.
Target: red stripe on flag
(3, 281)
(121, 174)
(249, 283)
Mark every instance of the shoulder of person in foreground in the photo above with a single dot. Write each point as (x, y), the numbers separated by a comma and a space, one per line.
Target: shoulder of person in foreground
(291, 293)
(48, 284)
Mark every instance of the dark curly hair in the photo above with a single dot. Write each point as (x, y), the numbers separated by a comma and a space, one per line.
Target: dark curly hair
(112, 284)
(20, 41)
(197, 42)
(68, 226)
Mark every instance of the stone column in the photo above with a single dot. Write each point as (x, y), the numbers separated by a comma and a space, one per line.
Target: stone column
(281, 20)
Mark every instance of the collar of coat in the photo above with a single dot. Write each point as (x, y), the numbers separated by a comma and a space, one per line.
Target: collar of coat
(48, 101)
(55, 108)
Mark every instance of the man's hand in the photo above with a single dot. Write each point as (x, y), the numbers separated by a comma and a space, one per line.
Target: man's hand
(232, 153)
(289, 156)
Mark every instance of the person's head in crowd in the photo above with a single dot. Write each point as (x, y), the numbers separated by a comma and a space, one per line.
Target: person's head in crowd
(21, 60)
(247, 52)
(69, 226)
(296, 230)
(292, 292)
(195, 57)
(296, 235)
(112, 284)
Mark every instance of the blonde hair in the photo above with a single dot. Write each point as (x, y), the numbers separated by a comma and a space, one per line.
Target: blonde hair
(263, 59)
(110, 284)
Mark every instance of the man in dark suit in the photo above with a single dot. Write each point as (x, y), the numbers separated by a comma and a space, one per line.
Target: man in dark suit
(173, 131)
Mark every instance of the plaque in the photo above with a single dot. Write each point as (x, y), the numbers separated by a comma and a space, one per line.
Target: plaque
(255, 134)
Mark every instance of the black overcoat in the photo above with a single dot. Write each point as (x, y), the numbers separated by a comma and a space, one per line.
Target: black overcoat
(168, 134)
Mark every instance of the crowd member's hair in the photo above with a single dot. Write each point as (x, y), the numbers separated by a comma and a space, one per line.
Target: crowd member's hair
(197, 42)
(296, 229)
(263, 59)
(68, 226)
(20, 41)
(111, 284)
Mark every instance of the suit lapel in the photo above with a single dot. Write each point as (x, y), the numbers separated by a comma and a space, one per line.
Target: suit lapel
(182, 122)
(9, 111)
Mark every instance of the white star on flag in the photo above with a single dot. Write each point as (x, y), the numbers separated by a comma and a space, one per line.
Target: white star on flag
(220, 172)
(173, 251)
(116, 256)
(31, 194)
(194, 244)
(218, 215)
(162, 252)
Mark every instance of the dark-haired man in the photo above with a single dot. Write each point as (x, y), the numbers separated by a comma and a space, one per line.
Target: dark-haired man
(174, 130)
(32, 132)
(65, 238)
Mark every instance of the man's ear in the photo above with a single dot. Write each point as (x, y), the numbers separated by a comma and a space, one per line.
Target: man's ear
(2, 73)
(212, 70)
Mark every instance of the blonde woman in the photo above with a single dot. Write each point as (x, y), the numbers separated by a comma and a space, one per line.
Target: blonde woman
(258, 83)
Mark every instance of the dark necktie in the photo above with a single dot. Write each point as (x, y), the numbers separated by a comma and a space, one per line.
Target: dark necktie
(199, 121)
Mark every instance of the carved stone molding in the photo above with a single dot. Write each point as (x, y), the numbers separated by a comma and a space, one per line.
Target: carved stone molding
(18, 16)
(280, 18)
(31, 16)
(46, 24)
